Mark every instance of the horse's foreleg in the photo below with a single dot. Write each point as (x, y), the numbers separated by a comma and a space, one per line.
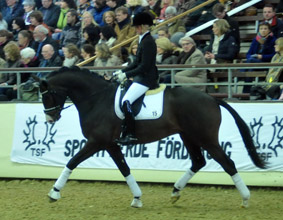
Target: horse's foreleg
(87, 151)
(118, 158)
(243, 189)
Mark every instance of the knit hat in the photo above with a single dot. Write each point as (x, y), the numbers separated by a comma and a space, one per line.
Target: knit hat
(164, 43)
(176, 37)
(29, 2)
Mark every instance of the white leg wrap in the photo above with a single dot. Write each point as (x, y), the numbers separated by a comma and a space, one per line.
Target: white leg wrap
(241, 186)
(181, 183)
(61, 181)
(134, 187)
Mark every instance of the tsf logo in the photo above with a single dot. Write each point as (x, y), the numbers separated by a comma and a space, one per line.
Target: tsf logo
(267, 138)
(38, 137)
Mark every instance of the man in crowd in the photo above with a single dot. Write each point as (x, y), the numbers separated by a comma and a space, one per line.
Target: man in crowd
(12, 10)
(269, 15)
(50, 13)
(41, 38)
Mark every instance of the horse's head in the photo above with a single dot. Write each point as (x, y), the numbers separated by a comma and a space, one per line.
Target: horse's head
(53, 101)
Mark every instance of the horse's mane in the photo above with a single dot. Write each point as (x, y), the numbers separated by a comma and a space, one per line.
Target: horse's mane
(74, 69)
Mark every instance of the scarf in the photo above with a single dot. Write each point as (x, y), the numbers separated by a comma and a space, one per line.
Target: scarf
(62, 21)
(184, 56)
(262, 39)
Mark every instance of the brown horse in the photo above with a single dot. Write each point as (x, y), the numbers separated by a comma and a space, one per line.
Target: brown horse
(194, 115)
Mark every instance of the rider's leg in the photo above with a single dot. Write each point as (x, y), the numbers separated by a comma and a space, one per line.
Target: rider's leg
(128, 127)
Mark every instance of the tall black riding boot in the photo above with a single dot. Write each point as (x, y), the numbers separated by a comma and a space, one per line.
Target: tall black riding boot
(128, 126)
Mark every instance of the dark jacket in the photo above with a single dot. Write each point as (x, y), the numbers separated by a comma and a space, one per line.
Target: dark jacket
(234, 28)
(143, 69)
(227, 50)
(48, 40)
(10, 14)
(266, 50)
(51, 15)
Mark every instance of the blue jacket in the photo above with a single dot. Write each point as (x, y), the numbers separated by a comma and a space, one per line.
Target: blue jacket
(267, 50)
(98, 15)
(51, 15)
(10, 14)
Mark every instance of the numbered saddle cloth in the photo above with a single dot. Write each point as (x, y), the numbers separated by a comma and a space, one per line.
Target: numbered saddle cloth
(151, 106)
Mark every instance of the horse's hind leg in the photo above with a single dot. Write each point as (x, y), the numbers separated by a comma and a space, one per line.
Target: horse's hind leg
(217, 153)
(88, 150)
(118, 158)
(198, 162)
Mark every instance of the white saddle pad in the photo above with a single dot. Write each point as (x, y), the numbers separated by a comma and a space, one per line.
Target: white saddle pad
(152, 107)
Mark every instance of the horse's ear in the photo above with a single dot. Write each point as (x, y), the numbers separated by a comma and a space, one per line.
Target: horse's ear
(36, 78)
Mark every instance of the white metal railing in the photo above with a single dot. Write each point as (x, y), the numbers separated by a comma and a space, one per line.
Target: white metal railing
(231, 83)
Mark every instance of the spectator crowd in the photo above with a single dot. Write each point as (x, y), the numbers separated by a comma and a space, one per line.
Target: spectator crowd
(50, 33)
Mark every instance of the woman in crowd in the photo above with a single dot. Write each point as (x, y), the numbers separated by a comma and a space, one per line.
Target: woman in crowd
(29, 8)
(72, 55)
(109, 18)
(91, 35)
(191, 56)
(164, 56)
(84, 5)
(87, 51)
(25, 39)
(105, 58)
(12, 57)
(107, 36)
(132, 51)
(164, 5)
(18, 24)
(5, 38)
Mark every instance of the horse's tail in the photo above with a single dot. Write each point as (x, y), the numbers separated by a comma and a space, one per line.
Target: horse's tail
(246, 135)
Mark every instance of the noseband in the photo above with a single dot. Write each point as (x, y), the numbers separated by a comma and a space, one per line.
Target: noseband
(56, 109)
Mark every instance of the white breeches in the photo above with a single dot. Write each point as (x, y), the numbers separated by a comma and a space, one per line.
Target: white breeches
(135, 91)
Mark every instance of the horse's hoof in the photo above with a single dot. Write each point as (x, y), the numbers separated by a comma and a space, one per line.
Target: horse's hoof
(54, 195)
(136, 203)
(245, 203)
(175, 196)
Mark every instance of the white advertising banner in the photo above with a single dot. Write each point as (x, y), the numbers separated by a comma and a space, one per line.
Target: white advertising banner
(37, 142)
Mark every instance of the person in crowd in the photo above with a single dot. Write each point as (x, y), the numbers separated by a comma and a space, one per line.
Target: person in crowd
(50, 13)
(84, 5)
(100, 8)
(219, 11)
(107, 36)
(153, 8)
(3, 23)
(72, 55)
(65, 6)
(18, 24)
(25, 39)
(123, 29)
(222, 47)
(29, 8)
(175, 40)
(269, 15)
(273, 75)
(163, 32)
(132, 51)
(176, 26)
(28, 59)
(41, 38)
(12, 57)
(36, 18)
(12, 10)
(87, 19)
(164, 56)
(134, 7)
(109, 18)
(91, 35)
(105, 58)
(87, 51)
(200, 16)
(71, 33)
(191, 55)
(261, 49)
(5, 38)
(164, 5)
(49, 59)
(184, 5)
(144, 72)
(112, 4)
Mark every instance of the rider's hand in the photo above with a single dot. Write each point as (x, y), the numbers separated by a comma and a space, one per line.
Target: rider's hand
(121, 76)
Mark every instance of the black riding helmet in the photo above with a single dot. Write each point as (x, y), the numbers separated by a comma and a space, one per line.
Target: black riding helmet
(142, 18)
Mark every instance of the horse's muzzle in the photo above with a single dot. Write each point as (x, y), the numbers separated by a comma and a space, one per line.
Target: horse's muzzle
(51, 119)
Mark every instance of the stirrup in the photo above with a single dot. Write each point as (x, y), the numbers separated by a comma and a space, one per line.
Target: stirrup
(128, 139)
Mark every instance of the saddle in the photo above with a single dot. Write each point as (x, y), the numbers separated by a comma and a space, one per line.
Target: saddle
(141, 102)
